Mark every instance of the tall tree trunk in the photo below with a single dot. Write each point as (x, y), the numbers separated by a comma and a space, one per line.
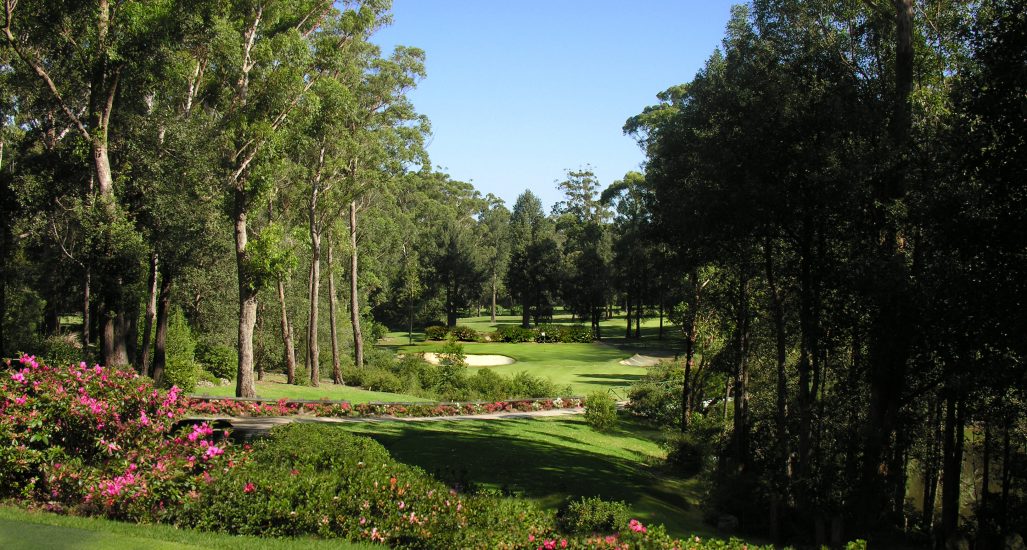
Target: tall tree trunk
(161, 338)
(1003, 515)
(287, 339)
(313, 348)
(627, 308)
(930, 478)
(354, 296)
(638, 318)
(244, 383)
(782, 472)
(332, 322)
(492, 316)
(526, 313)
(741, 378)
(143, 357)
(86, 321)
(955, 422)
(691, 333)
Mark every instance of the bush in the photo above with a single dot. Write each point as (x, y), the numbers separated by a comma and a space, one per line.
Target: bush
(580, 334)
(600, 411)
(181, 369)
(547, 334)
(486, 384)
(523, 384)
(381, 380)
(436, 332)
(220, 361)
(685, 455)
(60, 350)
(593, 515)
(514, 333)
(465, 334)
(657, 395)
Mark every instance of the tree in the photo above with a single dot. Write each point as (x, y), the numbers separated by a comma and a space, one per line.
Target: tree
(533, 276)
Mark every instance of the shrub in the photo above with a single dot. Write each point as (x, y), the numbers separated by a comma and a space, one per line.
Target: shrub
(381, 380)
(220, 361)
(181, 369)
(465, 334)
(514, 333)
(600, 411)
(685, 454)
(657, 395)
(60, 350)
(593, 515)
(97, 439)
(523, 384)
(436, 332)
(576, 334)
(547, 334)
(486, 384)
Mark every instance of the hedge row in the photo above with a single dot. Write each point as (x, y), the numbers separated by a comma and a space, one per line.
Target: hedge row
(344, 409)
(542, 334)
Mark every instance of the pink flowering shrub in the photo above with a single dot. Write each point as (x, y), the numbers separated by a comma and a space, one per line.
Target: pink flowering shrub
(97, 439)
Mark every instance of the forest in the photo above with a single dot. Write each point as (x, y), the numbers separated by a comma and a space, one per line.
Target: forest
(830, 226)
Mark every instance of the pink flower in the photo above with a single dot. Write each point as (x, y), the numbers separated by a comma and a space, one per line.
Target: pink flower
(249, 487)
(563, 543)
(20, 400)
(18, 377)
(402, 505)
(635, 526)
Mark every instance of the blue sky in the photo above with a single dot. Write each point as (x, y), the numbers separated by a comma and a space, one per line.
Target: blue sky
(519, 91)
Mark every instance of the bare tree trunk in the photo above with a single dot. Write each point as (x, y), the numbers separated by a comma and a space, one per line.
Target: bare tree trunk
(290, 350)
(244, 383)
(332, 322)
(86, 326)
(690, 338)
(143, 357)
(931, 470)
(313, 349)
(161, 338)
(354, 304)
(627, 308)
(492, 317)
(955, 422)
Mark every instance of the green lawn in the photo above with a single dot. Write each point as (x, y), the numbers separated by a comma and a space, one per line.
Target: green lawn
(25, 530)
(584, 367)
(274, 387)
(549, 460)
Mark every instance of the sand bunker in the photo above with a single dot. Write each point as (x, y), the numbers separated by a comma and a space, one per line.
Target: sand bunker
(475, 360)
(642, 360)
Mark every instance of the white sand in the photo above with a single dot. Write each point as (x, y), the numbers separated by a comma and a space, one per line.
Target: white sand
(642, 360)
(476, 360)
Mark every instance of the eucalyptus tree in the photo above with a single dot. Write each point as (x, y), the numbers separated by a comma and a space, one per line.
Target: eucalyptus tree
(84, 60)
(533, 276)
(494, 222)
(582, 218)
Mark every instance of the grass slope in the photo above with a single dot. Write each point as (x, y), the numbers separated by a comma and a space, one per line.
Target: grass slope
(25, 530)
(549, 460)
(274, 387)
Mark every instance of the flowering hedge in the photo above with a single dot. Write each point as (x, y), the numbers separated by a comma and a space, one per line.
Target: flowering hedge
(98, 440)
(282, 407)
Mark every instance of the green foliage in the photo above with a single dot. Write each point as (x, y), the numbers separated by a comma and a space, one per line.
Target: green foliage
(489, 385)
(523, 384)
(465, 334)
(600, 411)
(657, 395)
(686, 455)
(59, 350)
(564, 334)
(220, 361)
(514, 333)
(436, 332)
(268, 256)
(181, 369)
(593, 515)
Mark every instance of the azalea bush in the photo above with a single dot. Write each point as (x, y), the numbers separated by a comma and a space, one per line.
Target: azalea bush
(283, 407)
(98, 440)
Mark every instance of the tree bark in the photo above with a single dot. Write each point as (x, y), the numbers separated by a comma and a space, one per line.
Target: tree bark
(492, 316)
(86, 322)
(955, 422)
(244, 383)
(161, 337)
(332, 322)
(691, 333)
(287, 340)
(354, 304)
(741, 378)
(627, 307)
(313, 348)
(143, 357)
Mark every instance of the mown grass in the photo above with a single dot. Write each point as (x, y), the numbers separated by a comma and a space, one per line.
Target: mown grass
(583, 367)
(274, 387)
(550, 460)
(32, 530)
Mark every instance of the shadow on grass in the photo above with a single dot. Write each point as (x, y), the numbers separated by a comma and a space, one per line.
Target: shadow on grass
(474, 455)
